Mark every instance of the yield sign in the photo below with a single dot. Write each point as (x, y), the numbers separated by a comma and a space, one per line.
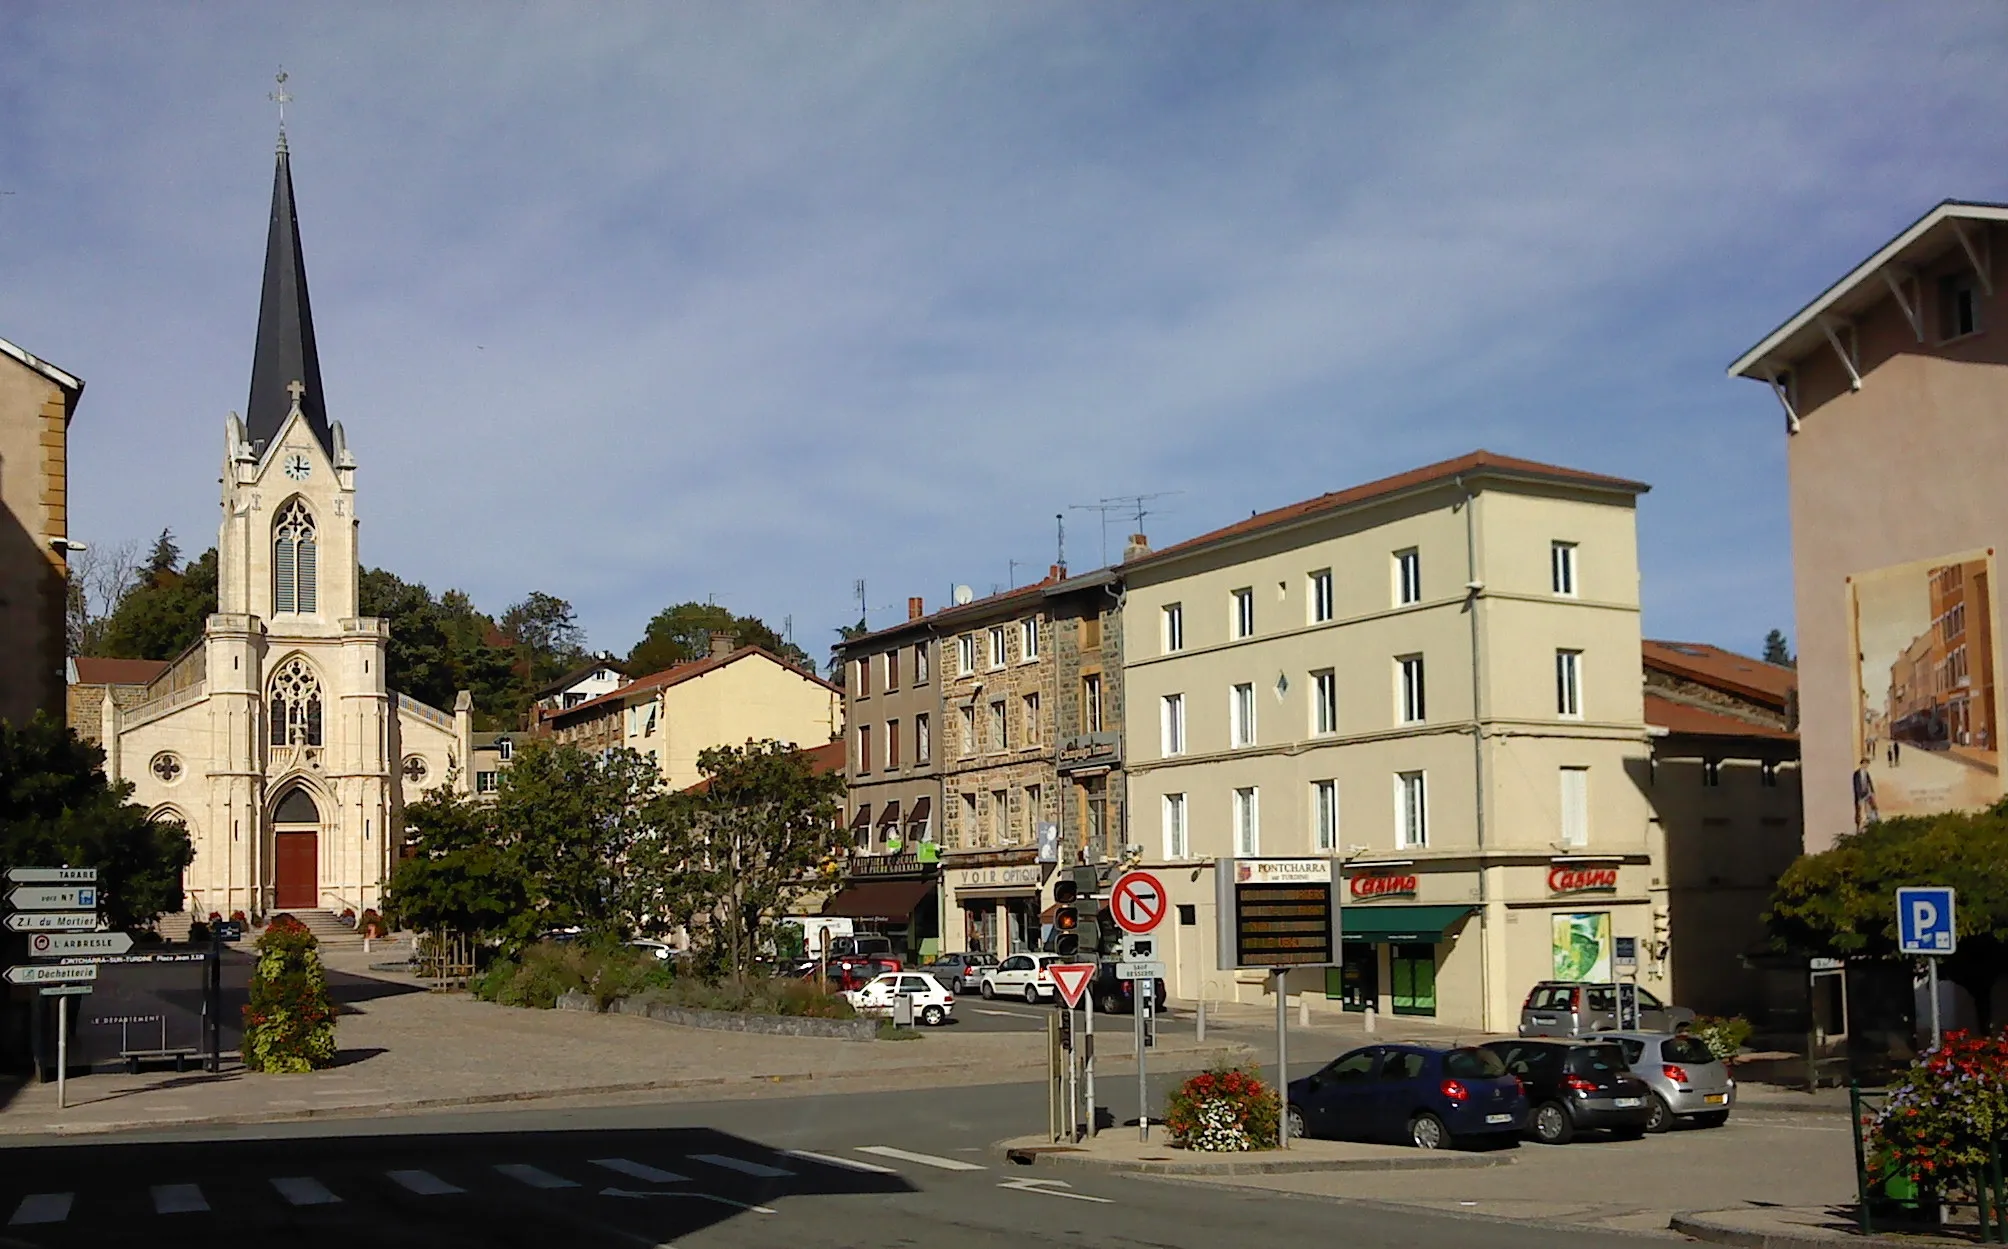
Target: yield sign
(1138, 902)
(1072, 980)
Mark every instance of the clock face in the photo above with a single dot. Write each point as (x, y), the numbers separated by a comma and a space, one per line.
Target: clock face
(298, 466)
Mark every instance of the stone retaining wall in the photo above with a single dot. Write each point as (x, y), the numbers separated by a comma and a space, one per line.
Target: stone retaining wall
(730, 1021)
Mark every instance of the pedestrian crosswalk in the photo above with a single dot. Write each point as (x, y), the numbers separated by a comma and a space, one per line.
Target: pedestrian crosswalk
(185, 1198)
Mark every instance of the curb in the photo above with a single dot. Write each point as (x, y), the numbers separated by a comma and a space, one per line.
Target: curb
(1698, 1225)
(1066, 1156)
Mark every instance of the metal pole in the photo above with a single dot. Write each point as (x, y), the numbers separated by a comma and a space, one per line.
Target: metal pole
(1142, 1086)
(63, 1052)
(1073, 1076)
(1931, 971)
(1200, 1017)
(1282, 1058)
(1090, 1062)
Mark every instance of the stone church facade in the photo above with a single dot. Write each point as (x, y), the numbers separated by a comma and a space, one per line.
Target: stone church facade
(274, 738)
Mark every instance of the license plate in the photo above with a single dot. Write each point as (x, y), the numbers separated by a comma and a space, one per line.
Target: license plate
(1715, 1099)
(1498, 1118)
(1629, 1103)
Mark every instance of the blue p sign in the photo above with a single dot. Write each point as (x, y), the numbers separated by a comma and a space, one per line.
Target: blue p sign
(1924, 923)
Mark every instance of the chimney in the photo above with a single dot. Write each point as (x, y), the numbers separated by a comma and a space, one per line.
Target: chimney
(1056, 572)
(915, 608)
(723, 642)
(1139, 546)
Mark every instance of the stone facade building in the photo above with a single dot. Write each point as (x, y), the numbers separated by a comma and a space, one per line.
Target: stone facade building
(1086, 614)
(37, 400)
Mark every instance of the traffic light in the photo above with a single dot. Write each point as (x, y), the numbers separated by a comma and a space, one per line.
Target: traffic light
(1084, 882)
(1066, 916)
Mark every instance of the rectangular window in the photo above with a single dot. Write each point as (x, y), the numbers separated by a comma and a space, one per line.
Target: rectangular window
(1562, 567)
(1028, 639)
(1575, 807)
(1414, 707)
(1711, 773)
(1324, 816)
(1247, 822)
(923, 738)
(1091, 702)
(920, 664)
(892, 670)
(1090, 636)
(1407, 576)
(965, 654)
(1321, 596)
(864, 748)
(1767, 774)
(1174, 627)
(865, 677)
(486, 782)
(1174, 826)
(1172, 722)
(1244, 613)
(1959, 307)
(1030, 724)
(997, 646)
(891, 744)
(971, 834)
(968, 731)
(1242, 711)
(1033, 797)
(1411, 809)
(1569, 684)
(1324, 702)
(1000, 726)
(1000, 816)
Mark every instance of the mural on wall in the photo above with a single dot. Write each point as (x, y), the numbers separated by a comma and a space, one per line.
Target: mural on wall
(1927, 736)
(1582, 944)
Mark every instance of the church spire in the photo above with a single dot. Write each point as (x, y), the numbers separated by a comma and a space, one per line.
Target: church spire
(285, 352)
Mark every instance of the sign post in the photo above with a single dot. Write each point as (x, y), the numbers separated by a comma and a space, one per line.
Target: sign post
(1138, 901)
(1276, 915)
(51, 902)
(1925, 926)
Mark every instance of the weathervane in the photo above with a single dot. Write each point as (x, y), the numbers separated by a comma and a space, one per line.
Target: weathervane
(281, 97)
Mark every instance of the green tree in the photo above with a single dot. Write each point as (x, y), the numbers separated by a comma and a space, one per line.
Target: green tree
(546, 634)
(844, 634)
(748, 841)
(58, 810)
(1843, 901)
(571, 817)
(683, 632)
(165, 614)
(458, 875)
(165, 556)
(1777, 650)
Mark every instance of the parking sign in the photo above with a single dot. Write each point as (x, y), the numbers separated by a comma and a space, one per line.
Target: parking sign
(1924, 920)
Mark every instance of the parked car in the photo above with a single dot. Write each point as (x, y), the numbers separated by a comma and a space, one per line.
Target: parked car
(932, 1002)
(1028, 976)
(1416, 1094)
(1565, 1008)
(1118, 997)
(1687, 1080)
(843, 975)
(1576, 1086)
(960, 971)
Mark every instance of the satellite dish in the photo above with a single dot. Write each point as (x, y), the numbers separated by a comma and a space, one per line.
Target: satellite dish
(963, 594)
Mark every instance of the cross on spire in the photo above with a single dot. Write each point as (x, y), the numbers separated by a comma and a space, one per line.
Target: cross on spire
(282, 98)
(296, 388)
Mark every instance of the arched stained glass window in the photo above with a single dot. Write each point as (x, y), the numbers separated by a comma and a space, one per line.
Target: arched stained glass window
(296, 705)
(295, 575)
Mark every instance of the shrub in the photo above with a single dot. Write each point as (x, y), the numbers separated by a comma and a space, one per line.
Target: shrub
(543, 973)
(1223, 1109)
(289, 1022)
(1941, 1114)
(1723, 1035)
(237, 917)
(198, 932)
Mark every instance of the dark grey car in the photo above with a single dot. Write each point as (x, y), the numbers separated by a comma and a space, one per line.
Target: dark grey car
(1563, 1008)
(960, 972)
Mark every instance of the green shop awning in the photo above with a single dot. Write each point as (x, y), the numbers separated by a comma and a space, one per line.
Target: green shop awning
(1388, 924)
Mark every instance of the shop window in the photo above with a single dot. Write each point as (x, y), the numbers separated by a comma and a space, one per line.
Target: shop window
(1188, 915)
(1412, 973)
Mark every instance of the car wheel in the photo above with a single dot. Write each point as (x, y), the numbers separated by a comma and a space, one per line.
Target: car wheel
(1713, 1119)
(1295, 1124)
(955, 985)
(989, 991)
(932, 1016)
(1428, 1132)
(1551, 1125)
(1032, 995)
(1662, 1115)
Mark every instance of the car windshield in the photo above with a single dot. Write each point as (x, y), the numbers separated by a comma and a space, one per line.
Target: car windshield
(1473, 1064)
(1685, 1049)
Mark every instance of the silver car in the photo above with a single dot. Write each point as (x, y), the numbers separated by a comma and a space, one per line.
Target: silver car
(1687, 1080)
(1565, 1008)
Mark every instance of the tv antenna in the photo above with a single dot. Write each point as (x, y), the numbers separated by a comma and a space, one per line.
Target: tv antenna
(1124, 505)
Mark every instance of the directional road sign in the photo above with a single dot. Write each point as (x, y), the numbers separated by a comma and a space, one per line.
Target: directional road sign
(1924, 920)
(62, 945)
(65, 990)
(1071, 979)
(52, 921)
(1139, 971)
(52, 973)
(52, 897)
(1138, 901)
(52, 875)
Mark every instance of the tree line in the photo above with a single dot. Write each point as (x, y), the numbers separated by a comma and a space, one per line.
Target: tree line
(125, 604)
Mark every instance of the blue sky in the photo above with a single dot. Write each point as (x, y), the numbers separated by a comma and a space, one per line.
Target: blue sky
(641, 303)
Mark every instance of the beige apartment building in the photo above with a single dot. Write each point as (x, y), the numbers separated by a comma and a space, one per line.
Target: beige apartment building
(1894, 389)
(1434, 679)
(37, 400)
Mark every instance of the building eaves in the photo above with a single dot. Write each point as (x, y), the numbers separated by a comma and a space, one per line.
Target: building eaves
(951, 617)
(1689, 720)
(72, 386)
(1722, 669)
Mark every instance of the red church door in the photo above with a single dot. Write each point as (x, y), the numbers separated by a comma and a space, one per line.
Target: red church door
(298, 870)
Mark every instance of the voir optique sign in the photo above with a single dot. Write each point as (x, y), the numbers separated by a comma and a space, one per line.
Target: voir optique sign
(1565, 879)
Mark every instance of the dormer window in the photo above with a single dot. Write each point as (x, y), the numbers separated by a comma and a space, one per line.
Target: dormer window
(295, 580)
(1958, 307)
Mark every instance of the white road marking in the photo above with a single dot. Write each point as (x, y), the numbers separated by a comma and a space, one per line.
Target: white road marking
(723, 1201)
(926, 1160)
(849, 1164)
(640, 1170)
(1042, 1188)
(43, 1208)
(304, 1190)
(1007, 1014)
(178, 1199)
(424, 1183)
(742, 1166)
(523, 1173)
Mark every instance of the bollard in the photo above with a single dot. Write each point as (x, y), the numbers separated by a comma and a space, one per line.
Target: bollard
(1200, 1021)
(1303, 1010)
(1370, 1019)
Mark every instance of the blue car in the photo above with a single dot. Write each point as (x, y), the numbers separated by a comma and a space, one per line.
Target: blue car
(1410, 1094)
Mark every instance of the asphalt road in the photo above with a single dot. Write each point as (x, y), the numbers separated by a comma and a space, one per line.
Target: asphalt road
(887, 1168)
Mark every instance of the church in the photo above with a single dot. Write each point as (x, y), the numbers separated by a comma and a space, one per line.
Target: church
(274, 738)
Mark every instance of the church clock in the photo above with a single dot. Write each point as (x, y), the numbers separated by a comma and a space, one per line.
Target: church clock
(298, 466)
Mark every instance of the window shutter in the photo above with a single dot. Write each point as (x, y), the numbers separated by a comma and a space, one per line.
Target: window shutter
(306, 575)
(1575, 806)
(282, 576)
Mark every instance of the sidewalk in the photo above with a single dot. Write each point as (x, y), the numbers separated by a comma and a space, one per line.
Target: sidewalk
(1798, 1227)
(1118, 1149)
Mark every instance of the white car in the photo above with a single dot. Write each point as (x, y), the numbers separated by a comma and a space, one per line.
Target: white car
(932, 1002)
(1029, 976)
